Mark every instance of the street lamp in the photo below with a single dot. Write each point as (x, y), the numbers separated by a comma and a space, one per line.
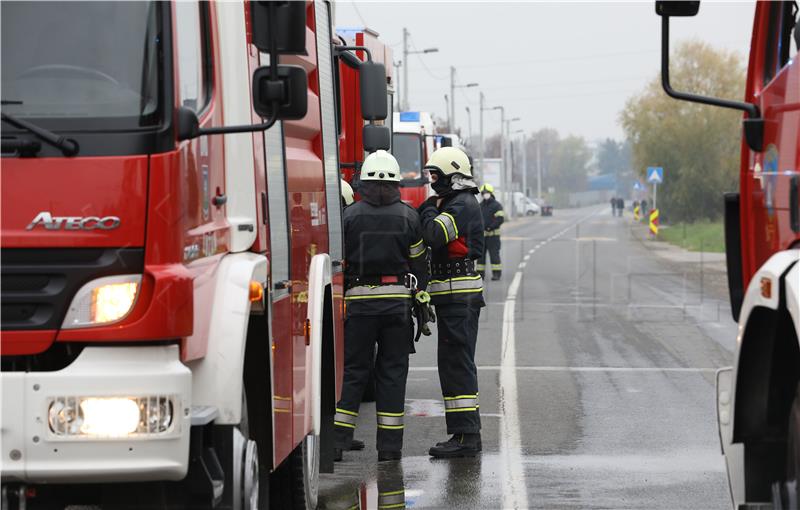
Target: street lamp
(524, 162)
(406, 53)
(451, 114)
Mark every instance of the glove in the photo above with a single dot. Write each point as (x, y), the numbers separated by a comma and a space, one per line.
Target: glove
(429, 202)
(423, 297)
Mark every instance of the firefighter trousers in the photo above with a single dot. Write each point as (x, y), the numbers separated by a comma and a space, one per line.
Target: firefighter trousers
(457, 325)
(491, 245)
(394, 335)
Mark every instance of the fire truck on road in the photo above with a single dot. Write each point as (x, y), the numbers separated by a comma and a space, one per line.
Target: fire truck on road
(758, 400)
(171, 252)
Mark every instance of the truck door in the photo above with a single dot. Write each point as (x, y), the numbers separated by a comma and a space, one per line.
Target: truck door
(773, 179)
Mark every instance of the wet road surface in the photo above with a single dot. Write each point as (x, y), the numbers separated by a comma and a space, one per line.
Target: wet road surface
(596, 366)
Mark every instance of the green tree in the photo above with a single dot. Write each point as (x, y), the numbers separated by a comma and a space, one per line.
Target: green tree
(697, 145)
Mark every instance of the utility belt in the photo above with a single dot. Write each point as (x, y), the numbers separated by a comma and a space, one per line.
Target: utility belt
(380, 287)
(490, 233)
(453, 268)
(373, 280)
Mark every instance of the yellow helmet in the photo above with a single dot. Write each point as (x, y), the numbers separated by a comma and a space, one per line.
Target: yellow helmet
(450, 161)
(347, 193)
(488, 188)
(380, 166)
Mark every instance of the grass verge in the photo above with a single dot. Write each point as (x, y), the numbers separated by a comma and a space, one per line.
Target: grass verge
(700, 236)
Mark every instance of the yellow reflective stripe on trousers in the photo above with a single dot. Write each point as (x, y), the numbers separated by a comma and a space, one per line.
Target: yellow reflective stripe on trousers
(492, 233)
(460, 403)
(393, 499)
(390, 421)
(377, 291)
(448, 224)
(415, 250)
(457, 285)
(345, 418)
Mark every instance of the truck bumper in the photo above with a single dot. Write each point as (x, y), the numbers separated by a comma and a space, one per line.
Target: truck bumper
(32, 452)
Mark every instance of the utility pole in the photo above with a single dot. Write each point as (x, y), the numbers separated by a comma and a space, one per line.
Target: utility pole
(451, 113)
(447, 107)
(538, 168)
(480, 145)
(469, 123)
(406, 53)
(405, 69)
(397, 75)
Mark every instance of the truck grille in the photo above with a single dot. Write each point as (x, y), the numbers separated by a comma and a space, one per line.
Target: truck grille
(37, 285)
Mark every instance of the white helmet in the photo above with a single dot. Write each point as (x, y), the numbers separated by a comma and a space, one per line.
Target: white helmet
(380, 166)
(450, 161)
(347, 193)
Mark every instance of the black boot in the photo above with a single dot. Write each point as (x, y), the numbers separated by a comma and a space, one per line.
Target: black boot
(460, 445)
(385, 455)
(455, 438)
(356, 444)
(337, 454)
(496, 275)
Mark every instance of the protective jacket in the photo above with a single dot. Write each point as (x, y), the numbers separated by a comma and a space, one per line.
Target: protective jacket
(493, 216)
(383, 244)
(454, 232)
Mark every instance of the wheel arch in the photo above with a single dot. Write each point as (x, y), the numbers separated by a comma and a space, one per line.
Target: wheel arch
(767, 369)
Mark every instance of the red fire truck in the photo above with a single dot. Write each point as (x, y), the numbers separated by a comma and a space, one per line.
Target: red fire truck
(171, 252)
(758, 399)
(353, 145)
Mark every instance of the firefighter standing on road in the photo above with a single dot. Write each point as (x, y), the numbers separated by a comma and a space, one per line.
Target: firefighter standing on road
(384, 256)
(453, 228)
(493, 217)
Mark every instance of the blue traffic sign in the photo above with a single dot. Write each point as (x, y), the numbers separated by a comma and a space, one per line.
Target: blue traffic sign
(637, 186)
(655, 174)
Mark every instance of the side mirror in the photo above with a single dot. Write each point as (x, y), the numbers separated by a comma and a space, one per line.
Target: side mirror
(376, 137)
(446, 141)
(188, 124)
(670, 8)
(290, 91)
(372, 78)
(286, 19)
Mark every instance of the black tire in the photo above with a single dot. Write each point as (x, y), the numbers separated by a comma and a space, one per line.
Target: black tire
(793, 452)
(295, 484)
(530, 213)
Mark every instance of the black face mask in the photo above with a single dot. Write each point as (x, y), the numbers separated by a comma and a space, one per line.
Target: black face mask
(442, 185)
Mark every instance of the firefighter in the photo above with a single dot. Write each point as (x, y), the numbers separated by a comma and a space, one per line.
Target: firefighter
(493, 217)
(385, 259)
(452, 226)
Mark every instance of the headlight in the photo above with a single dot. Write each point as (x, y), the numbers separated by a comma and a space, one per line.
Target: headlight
(103, 301)
(110, 417)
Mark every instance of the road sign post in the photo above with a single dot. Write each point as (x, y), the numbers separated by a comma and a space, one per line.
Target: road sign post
(655, 175)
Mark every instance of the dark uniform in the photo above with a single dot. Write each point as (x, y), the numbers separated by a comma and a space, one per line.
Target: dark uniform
(383, 244)
(454, 232)
(493, 217)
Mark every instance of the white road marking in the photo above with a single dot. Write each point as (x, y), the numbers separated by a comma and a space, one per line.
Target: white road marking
(515, 493)
(544, 368)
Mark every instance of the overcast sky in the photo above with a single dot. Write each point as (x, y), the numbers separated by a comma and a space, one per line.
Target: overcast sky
(569, 66)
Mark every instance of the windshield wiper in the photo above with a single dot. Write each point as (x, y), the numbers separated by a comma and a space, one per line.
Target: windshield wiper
(68, 146)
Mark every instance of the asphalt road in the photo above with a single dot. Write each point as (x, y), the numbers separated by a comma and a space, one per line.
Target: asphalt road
(596, 363)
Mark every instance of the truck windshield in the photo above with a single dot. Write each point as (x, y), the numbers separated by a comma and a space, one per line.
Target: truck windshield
(91, 64)
(407, 149)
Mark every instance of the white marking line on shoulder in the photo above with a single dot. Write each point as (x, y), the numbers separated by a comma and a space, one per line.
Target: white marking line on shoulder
(533, 368)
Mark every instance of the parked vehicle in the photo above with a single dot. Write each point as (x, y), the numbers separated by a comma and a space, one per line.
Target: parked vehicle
(758, 400)
(172, 311)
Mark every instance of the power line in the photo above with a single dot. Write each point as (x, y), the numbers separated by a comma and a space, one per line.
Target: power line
(424, 65)
(359, 14)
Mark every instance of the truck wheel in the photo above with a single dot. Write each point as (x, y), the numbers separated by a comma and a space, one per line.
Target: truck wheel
(793, 453)
(295, 484)
(249, 480)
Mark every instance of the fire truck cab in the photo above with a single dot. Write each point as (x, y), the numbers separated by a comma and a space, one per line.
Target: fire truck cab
(171, 252)
(758, 399)
(413, 141)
